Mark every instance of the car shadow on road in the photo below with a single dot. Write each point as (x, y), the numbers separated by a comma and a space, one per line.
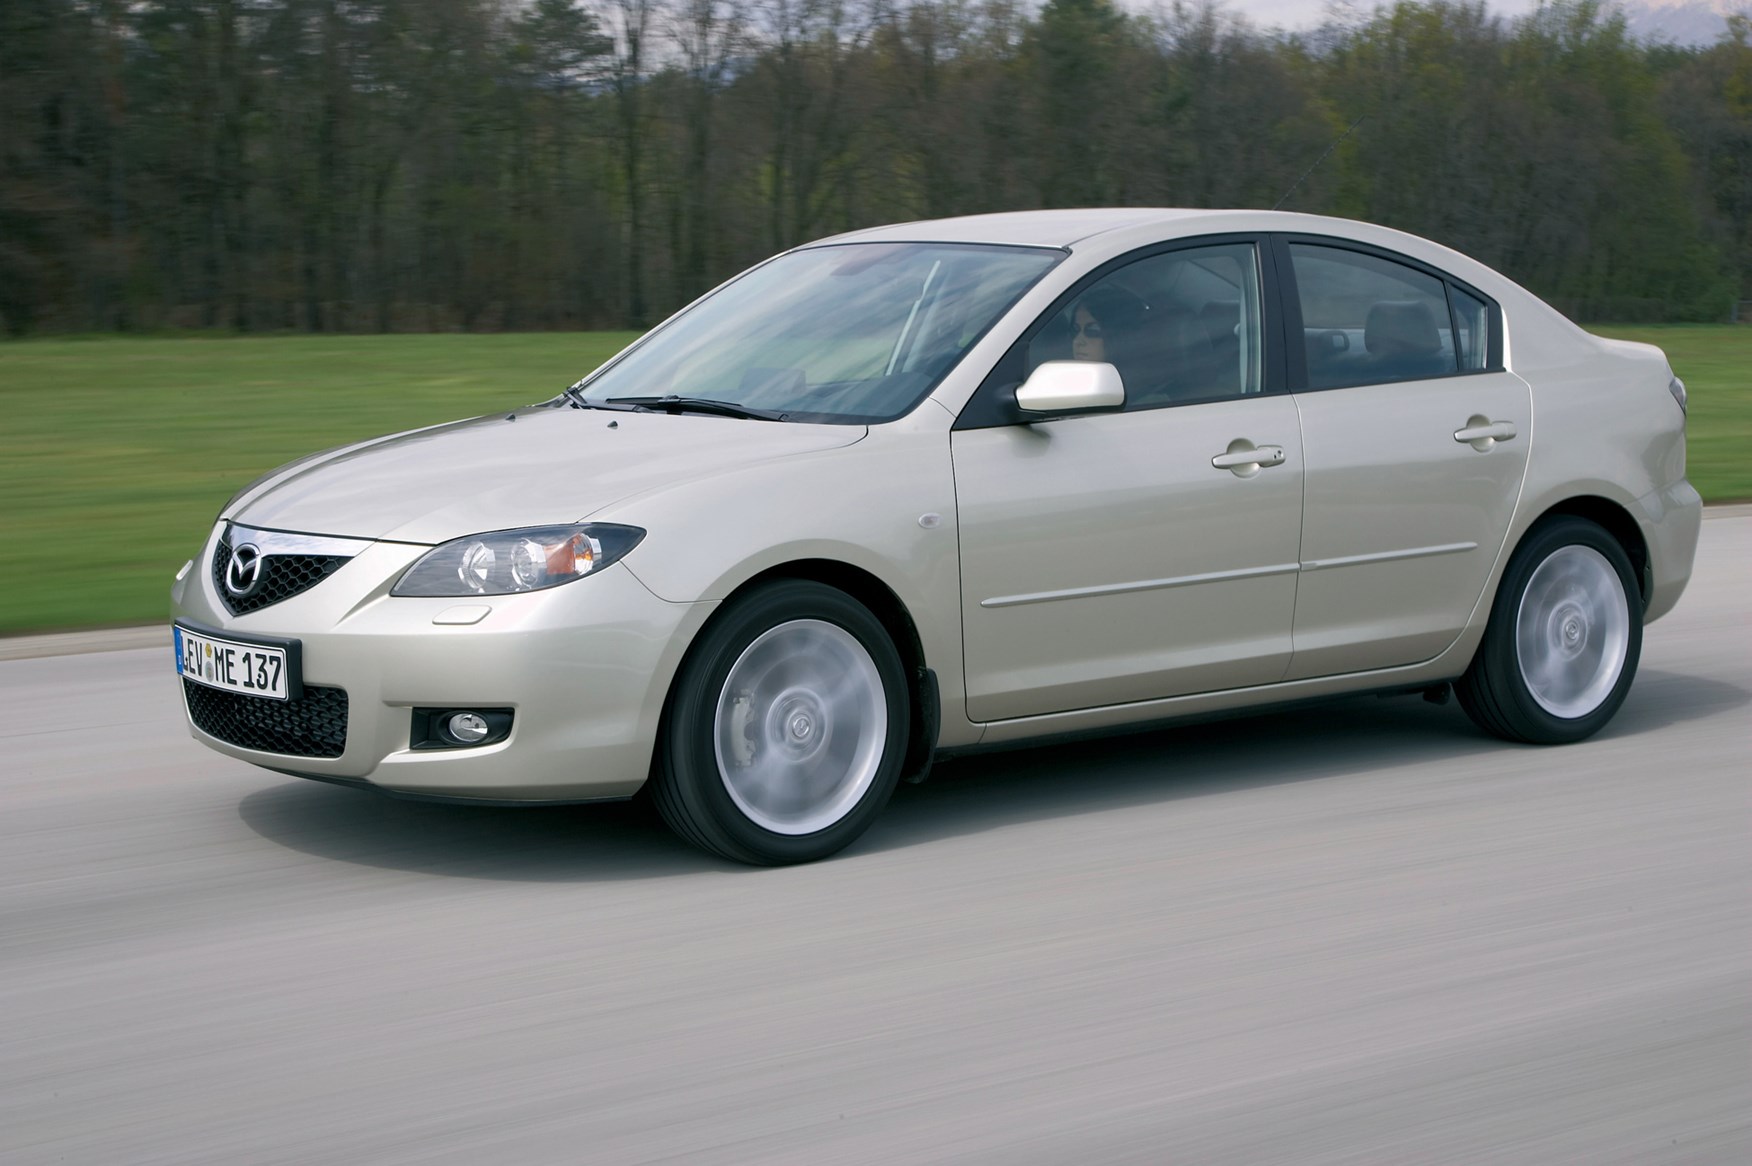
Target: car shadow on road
(966, 796)
(1659, 699)
(1349, 736)
(614, 840)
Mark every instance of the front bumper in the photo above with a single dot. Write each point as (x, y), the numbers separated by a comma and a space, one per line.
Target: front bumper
(584, 667)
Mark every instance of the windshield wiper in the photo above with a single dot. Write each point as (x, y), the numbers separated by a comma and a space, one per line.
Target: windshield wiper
(575, 397)
(674, 404)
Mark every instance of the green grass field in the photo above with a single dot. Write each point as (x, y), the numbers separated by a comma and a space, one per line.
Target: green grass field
(116, 453)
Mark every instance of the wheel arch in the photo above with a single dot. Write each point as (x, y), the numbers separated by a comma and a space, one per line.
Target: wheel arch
(1616, 521)
(923, 701)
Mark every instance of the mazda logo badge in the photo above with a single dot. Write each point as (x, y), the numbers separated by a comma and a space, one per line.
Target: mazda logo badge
(244, 571)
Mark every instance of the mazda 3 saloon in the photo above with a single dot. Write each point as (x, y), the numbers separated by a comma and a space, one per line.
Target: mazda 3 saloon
(943, 486)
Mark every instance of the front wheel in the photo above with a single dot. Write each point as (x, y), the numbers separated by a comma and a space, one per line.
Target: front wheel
(1563, 640)
(787, 727)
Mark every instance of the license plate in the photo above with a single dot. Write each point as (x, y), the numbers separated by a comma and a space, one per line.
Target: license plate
(234, 666)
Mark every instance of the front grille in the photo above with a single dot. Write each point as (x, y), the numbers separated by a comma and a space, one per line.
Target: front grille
(314, 725)
(282, 577)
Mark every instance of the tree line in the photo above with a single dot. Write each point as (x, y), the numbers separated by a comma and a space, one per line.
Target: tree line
(366, 165)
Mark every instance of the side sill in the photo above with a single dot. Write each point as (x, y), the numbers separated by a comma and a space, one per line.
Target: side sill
(1184, 720)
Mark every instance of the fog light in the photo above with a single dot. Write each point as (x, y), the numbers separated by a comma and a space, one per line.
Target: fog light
(454, 728)
(467, 728)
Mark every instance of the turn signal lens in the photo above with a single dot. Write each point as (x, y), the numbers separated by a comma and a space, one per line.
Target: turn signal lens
(1677, 388)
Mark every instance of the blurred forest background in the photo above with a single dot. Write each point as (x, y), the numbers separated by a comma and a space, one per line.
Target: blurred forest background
(436, 165)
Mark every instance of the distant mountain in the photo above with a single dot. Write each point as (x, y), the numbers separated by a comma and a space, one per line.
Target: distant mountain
(1685, 22)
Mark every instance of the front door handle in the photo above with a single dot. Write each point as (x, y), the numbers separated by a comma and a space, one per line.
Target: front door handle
(1481, 432)
(1246, 459)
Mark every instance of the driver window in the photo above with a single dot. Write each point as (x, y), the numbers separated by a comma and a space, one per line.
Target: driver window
(1180, 327)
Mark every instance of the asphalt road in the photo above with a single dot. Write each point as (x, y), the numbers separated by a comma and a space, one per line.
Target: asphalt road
(1364, 933)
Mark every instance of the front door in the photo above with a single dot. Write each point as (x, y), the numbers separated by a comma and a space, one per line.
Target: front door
(1106, 559)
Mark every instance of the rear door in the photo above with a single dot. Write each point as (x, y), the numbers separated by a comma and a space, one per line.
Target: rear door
(1416, 444)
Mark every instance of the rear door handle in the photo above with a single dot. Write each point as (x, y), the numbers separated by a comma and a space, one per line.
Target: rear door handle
(1244, 459)
(1481, 432)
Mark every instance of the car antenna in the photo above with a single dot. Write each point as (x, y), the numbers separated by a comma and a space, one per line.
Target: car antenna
(1317, 161)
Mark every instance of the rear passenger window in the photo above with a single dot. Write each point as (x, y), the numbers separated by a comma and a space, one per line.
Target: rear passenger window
(1367, 320)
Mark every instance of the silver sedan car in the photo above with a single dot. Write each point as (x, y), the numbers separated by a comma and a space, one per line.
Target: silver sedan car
(945, 486)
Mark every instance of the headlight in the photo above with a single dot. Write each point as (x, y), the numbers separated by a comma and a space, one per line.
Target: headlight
(504, 562)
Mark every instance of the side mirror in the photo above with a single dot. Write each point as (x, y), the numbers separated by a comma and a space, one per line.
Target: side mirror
(1071, 386)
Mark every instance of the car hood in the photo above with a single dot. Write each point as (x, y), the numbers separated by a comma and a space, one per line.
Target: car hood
(534, 467)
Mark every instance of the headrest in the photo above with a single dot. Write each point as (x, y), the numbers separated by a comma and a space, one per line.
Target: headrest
(1401, 327)
(1220, 318)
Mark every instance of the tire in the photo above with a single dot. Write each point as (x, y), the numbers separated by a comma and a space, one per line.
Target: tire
(786, 728)
(1563, 641)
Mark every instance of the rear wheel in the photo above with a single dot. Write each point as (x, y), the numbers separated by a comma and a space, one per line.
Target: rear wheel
(1563, 641)
(787, 727)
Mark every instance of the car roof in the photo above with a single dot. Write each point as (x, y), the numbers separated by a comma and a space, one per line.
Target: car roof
(1540, 334)
(1066, 228)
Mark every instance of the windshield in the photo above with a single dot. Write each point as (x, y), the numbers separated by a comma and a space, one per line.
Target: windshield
(852, 334)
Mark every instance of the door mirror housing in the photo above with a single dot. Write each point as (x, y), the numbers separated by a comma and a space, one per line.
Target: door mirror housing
(1060, 387)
